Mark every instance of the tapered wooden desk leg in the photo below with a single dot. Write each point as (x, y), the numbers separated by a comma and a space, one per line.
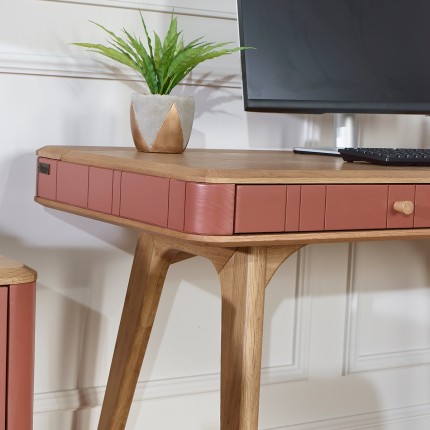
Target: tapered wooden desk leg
(143, 295)
(243, 282)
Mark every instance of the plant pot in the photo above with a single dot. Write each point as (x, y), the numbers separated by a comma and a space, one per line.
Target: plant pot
(161, 123)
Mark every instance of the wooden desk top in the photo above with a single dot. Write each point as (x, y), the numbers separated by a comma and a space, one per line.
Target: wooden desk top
(238, 166)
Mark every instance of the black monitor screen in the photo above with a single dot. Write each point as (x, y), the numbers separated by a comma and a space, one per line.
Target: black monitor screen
(336, 55)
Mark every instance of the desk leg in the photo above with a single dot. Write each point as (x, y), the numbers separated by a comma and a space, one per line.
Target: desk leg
(243, 282)
(144, 290)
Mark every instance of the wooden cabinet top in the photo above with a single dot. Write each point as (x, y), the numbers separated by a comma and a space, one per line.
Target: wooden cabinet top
(238, 166)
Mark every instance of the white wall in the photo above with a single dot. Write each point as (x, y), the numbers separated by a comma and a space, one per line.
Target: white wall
(347, 340)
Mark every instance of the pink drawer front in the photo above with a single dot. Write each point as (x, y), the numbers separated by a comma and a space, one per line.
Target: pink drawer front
(422, 206)
(399, 193)
(72, 184)
(260, 208)
(145, 198)
(100, 190)
(292, 213)
(355, 207)
(312, 207)
(176, 219)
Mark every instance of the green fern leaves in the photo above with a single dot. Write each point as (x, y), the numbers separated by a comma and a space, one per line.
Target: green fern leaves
(163, 64)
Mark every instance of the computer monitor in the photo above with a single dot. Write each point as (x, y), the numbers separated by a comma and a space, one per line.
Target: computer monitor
(336, 56)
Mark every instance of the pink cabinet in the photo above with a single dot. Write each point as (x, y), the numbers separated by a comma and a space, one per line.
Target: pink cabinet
(17, 314)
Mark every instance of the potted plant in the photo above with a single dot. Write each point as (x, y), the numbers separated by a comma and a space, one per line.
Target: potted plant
(160, 122)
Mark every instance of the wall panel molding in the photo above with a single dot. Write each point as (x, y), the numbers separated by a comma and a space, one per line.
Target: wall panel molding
(355, 361)
(296, 370)
(221, 9)
(65, 66)
(372, 420)
(93, 396)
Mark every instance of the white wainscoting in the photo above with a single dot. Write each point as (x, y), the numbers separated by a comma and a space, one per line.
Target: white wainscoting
(78, 67)
(357, 360)
(225, 9)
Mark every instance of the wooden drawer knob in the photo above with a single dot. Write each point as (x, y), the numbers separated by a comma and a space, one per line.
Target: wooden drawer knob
(404, 207)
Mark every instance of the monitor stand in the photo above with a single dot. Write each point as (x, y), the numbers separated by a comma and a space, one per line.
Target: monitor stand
(346, 136)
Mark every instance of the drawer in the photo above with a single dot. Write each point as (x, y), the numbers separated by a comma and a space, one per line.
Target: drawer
(396, 195)
(100, 190)
(260, 208)
(72, 184)
(144, 198)
(422, 206)
(356, 207)
(312, 207)
(176, 217)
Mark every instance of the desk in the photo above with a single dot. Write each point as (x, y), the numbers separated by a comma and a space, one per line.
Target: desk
(247, 212)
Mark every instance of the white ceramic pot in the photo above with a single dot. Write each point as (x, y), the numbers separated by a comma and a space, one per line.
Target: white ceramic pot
(161, 123)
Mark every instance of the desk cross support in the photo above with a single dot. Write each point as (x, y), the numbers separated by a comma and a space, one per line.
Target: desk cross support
(244, 274)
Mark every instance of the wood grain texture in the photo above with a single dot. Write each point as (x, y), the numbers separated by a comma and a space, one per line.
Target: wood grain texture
(244, 275)
(143, 294)
(276, 255)
(243, 283)
(239, 167)
(14, 272)
(249, 239)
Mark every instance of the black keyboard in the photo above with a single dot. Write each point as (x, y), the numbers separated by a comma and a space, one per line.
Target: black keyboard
(388, 156)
